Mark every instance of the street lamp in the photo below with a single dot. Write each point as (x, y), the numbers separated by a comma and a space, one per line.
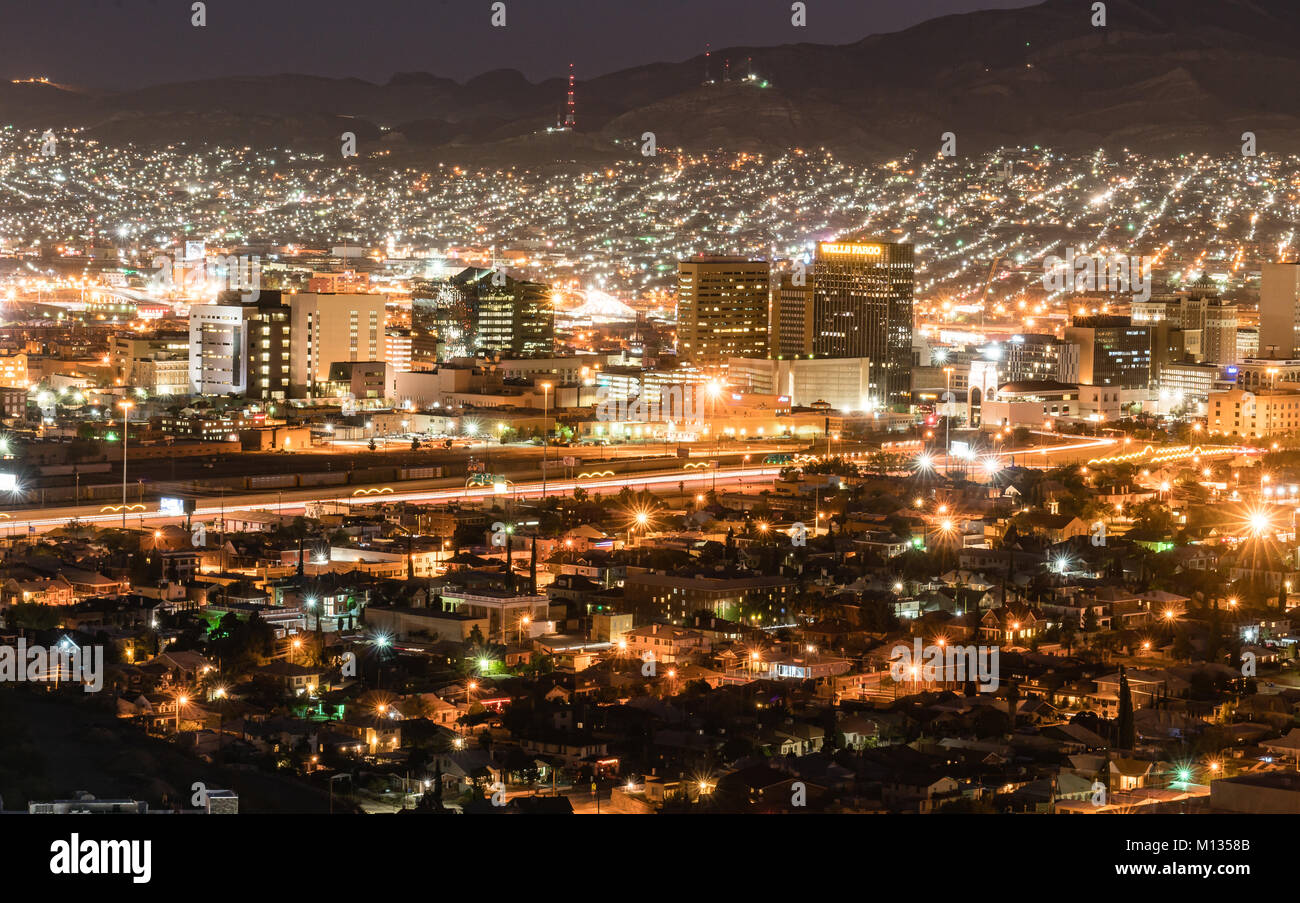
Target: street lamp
(126, 430)
(947, 420)
(640, 520)
(546, 410)
(714, 391)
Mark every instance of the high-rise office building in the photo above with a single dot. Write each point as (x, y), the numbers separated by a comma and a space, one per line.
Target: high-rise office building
(1171, 344)
(327, 329)
(722, 309)
(1195, 321)
(443, 319)
(219, 348)
(399, 349)
(480, 310)
(1112, 351)
(516, 319)
(1035, 357)
(862, 307)
(1279, 310)
(1219, 341)
(241, 348)
(793, 317)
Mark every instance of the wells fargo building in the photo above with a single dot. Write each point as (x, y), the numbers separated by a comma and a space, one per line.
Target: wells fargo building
(862, 308)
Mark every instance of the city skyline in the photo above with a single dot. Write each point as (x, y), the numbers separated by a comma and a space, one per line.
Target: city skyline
(754, 408)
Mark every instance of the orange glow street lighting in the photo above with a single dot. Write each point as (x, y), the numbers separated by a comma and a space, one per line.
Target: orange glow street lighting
(546, 412)
(126, 429)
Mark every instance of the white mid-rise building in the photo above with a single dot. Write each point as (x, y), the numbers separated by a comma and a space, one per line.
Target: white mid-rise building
(218, 362)
(843, 383)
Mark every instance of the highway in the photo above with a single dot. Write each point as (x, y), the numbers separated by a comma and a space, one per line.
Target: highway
(663, 473)
(293, 501)
(1068, 449)
(1091, 450)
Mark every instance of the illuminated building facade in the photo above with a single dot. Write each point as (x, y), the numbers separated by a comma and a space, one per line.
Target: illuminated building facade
(1257, 374)
(240, 349)
(842, 383)
(1112, 351)
(793, 327)
(399, 349)
(480, 310)
(327, 329)
(862, 307)
(722, 308)
(13, 370)
(759, 601)
(1035, 357)
(1269, 412)
(516, 319)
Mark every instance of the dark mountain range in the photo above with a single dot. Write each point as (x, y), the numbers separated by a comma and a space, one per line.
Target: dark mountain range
(1163, 75)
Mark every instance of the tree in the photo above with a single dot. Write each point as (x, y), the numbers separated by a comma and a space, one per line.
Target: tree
(476, 637)
(242, 644)
(1067, 632)
(1126, 727)
(1151, 515)
(415, 707)
(33, 616)
(371, 445)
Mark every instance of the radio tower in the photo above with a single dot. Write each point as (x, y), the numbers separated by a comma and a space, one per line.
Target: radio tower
(708, 75)
(570, 117)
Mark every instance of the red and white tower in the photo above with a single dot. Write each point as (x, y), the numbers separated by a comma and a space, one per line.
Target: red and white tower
(571, 115)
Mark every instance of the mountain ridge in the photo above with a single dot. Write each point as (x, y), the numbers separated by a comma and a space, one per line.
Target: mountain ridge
(1162, 76)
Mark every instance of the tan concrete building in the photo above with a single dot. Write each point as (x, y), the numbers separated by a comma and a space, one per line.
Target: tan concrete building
(722, 308)
(1279, 309)
(1269, 412)
(326, 329)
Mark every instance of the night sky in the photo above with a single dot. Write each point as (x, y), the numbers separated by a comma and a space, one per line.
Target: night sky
(122, 44)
